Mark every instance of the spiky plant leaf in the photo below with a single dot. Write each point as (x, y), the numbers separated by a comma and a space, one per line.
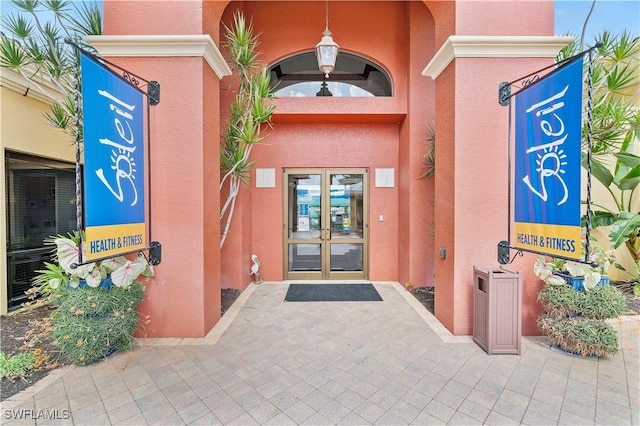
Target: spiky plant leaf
(13, 55)
(27, 5)
(248, 113)
(35, 46)
(59, 118)
(16, 25)
(89, 21)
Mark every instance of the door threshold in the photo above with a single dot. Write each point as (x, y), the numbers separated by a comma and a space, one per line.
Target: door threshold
(327, 281)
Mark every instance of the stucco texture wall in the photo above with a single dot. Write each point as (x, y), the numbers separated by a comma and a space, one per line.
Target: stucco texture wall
(350, 132)
(328, 145)
(183, 299)
(471, 187)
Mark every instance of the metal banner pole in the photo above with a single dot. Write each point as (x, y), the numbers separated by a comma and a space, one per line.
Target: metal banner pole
(76, 101)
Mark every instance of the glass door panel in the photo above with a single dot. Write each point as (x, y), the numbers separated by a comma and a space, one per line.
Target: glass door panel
(346, 205)
(304, 237)
(345, 243)
(305, 257)
(346, 257)
(305, 209)
(326, 224)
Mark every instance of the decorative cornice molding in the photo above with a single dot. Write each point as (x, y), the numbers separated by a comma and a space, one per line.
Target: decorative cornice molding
(494, 47)
(14, 81)
(162, 46)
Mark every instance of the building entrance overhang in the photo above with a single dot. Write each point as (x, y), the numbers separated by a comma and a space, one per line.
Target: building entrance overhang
(338, 117)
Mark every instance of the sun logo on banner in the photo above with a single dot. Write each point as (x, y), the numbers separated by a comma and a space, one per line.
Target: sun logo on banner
(125, 168)
(549, 165)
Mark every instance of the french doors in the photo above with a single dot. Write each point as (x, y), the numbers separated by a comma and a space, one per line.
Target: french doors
(326, 224)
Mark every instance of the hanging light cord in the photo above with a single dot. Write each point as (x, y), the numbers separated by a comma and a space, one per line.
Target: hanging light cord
(326, 14)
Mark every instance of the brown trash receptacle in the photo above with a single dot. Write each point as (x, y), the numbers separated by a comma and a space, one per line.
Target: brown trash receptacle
(497, 301)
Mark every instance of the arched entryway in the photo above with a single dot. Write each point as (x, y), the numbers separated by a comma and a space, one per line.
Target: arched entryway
(354, 76)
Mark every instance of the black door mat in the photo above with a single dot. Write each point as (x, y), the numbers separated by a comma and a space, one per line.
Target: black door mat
(332, 293)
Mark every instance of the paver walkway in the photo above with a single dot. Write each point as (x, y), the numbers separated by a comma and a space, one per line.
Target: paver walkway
(348, 363)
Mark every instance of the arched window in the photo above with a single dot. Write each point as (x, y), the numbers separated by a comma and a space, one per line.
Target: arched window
(353, 76)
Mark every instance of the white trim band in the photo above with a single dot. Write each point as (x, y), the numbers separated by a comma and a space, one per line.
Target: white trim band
(14, 81)
(162, 46)
(494, 47)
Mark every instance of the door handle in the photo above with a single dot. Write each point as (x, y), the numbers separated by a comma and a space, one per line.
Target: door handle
(329, 234)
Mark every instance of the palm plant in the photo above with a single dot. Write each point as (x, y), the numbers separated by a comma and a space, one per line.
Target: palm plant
(615, 133)
(249, 112)
(429, 154)
(32, 44)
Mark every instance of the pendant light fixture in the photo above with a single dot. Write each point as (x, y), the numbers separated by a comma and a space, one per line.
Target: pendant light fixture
(326, 49)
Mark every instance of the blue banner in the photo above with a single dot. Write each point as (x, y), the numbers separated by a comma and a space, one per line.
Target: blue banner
(114, 187)
(548, 117)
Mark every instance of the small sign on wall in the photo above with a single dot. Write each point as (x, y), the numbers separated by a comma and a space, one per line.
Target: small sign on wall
(385, 178)
(265, 178)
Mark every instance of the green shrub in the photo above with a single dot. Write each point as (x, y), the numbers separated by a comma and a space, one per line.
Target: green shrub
(601, 302)
(96, 302)
(90, 322)
(559, 300)
(574, 320)
(580, 335)
(16, 365)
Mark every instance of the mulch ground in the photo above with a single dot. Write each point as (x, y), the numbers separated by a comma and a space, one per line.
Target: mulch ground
(426, 296)
(28, 330)
(31, 329)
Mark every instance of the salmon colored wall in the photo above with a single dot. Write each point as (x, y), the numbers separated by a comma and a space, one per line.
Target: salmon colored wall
(471, 189)
(211, 129)
(327, 145)
(236, 253)
(287, 28)
(444, 18)
(183, 299)
(237, 250)
(445, 189)
(136, 17)
(416, 196)
(377, 31)
(184, 199)
(498, 17)
(212, 12)
(475, 151)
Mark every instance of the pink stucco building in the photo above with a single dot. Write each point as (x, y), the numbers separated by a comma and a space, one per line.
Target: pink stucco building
(336, 190)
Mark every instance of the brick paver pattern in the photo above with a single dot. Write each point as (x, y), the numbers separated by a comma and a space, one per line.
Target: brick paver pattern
(346, 363)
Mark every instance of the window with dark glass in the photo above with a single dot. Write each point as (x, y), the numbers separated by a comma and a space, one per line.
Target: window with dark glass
(354, 76)
(41, 202)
